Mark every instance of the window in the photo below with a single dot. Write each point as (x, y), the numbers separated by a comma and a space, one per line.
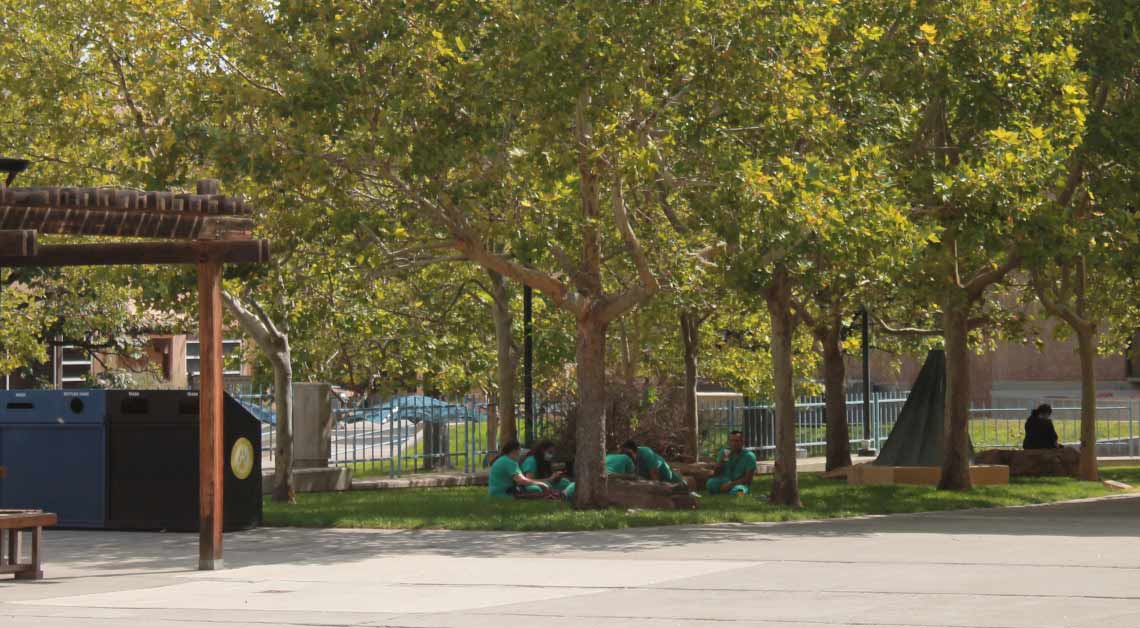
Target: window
(231, 360)
(75, 367)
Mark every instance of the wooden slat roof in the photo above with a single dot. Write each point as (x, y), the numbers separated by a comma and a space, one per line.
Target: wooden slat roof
(123, 212)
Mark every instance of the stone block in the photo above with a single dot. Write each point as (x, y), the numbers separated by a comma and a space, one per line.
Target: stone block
(1062, 462)
(871, 475)
(637, 493)
(325, 480)
(312, 425)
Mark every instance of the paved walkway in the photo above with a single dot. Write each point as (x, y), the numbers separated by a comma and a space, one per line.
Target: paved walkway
(1074, 565)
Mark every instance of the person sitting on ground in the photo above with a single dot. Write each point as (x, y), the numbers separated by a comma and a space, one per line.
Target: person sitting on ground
(506, 478)
(620, 464)
(537, 465)
(734, 469)
(1039, 431)
(616, 464)
(650, 465)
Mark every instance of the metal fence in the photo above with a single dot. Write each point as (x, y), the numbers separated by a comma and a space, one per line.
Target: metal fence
(407, 433)
(1117, 432)
(757, 423)
(411, 434)
(1118, 425)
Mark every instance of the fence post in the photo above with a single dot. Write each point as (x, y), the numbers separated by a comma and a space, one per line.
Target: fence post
(1131, 433)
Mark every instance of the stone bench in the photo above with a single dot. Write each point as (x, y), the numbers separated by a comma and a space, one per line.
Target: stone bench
(13, 523)
(1062, 462)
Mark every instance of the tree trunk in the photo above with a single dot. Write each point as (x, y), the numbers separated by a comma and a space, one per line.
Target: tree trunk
(507, 358)
(283, 399)
(590, 431)
(691, 338)
(630, 351)
(835, 392)
(275, 345)
(956, 415)
(1086, 346)
(785, 484)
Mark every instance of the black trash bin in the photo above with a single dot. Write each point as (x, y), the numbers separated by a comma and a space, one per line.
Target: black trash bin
(53, 445)
(152, 456)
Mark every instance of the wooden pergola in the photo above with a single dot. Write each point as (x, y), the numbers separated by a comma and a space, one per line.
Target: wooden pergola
(206, 229)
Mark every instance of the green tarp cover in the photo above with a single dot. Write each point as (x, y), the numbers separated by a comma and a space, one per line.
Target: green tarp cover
(916, 439)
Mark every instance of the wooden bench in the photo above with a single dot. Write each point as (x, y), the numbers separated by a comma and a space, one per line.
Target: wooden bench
(13, 523)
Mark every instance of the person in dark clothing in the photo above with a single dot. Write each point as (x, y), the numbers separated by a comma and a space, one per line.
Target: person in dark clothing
(1039, 431)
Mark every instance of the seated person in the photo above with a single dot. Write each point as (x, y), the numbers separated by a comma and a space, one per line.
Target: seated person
(506, 478)
(1039, 431)
(620, 464)
(650, 465)
(615, 464)
(537, 466)
(734, 468)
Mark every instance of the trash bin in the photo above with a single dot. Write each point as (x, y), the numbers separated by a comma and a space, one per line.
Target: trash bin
(53, 443)
(152, 445)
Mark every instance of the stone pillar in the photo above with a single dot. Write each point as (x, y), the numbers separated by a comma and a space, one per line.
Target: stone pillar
(312, 425)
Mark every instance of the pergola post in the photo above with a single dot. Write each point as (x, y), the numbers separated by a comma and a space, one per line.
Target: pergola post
(210, 415)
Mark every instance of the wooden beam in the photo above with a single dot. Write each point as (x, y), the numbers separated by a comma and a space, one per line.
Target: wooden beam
(17, 243)
(210, 449)
(142, 253)
(127, 223)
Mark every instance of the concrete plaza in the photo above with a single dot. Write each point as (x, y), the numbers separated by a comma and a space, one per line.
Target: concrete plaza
(1072, 565)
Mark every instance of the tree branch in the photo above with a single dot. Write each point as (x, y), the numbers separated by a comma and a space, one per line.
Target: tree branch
(906, 331)
(470, 246)
(1051, 303)
(621, 216)
(986, 278)
(250, 323)
(613, 307)
(589, 279)
(1077, 162)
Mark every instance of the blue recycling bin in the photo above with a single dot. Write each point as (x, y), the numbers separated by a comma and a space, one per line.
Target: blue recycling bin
(53, 444)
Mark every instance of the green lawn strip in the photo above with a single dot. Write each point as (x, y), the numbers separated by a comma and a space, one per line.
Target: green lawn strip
(468, 508)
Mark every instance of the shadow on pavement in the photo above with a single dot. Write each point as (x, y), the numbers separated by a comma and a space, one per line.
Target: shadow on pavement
(147, 551)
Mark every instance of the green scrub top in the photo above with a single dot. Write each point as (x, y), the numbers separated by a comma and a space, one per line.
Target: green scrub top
(620, 463)
(502, 476)
(736, 466)
(530, 469)
(647, 460)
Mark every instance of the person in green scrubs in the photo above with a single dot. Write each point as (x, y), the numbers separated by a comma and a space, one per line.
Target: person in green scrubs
(650, 465)
(734, 469)
(507, 479)
(615, 464)
(620, 463)
(536, 465)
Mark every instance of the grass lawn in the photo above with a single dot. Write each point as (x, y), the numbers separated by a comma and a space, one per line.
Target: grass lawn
(469, 508)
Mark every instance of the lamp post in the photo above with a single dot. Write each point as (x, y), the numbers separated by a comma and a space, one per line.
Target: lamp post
(528, 366)
(868, 446)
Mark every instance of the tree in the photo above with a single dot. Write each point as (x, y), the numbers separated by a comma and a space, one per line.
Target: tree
(274, 344)
(97, 94)
(535, 125)
(1092, 225)
(807, 202)
(991, 101)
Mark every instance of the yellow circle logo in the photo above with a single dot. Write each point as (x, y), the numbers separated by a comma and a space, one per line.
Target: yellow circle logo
(241, 458)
